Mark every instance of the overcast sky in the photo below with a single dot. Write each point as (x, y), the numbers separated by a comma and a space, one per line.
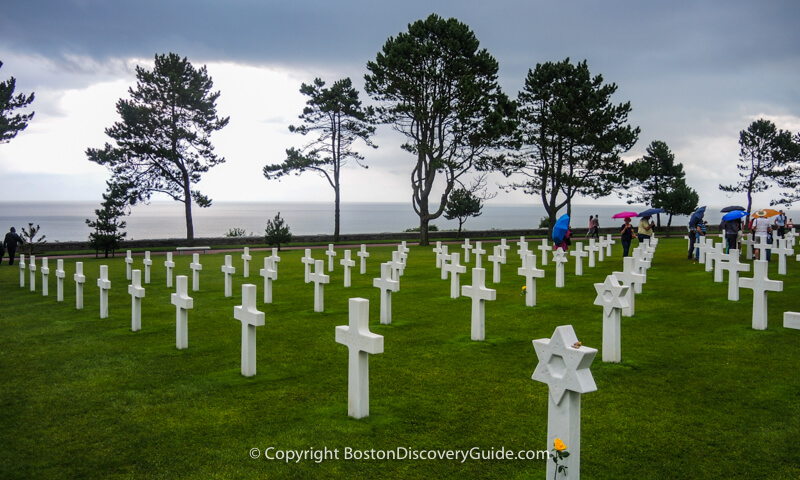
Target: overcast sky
(696, 73)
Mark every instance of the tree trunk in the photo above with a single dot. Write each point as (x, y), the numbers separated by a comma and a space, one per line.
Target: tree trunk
(423, 231)
(336, 212)
(669, 221)
(187, 204)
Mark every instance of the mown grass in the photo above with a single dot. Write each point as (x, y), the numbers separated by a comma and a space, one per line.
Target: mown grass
(699, 394)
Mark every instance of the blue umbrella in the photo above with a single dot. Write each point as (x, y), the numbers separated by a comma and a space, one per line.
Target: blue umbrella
(652, 211)
(734, 215)
(697, 215)
(560, 228)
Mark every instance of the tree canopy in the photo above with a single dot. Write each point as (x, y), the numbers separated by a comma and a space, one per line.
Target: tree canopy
(653, 178)
(107, 234)
(163, 138)
(10, 123)
(766, 155)
(440, 90)
(461, 205)
(339, 119)
(570, 135)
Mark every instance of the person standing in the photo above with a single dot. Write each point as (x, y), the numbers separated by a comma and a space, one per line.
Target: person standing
(780, 224)
(596, 227)
(10, 242)
(591, 226)
(760, 226)
(732, 229)
(645, 229)
(627, 236)
(695, 232)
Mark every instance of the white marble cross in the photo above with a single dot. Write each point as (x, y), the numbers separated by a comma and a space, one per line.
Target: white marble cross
(760, 285)
(128, 265)
(479, 295)
(363, 254)
(360, 343)
(640, 266)
(613, 298)
(504, 248)
(320, 279)
(497, 259)
(397, 265)
(80, 279)
(748, 241)
(32, 270)
(307, 260)
(443, 261)
(183, 303)
(104, 285)
(609, 242)
(713, 251)
(579, 253)
(169, 264)
(629, 278)
(196, 267)
(330, 252)
(276, 259)
(136, 292)
(564, 367)
(479, 252)
(559, 258)
(467, 247)
(402, 254)
(246, 257)
(403, 248)
(250, 318)
(438, 251)
(522, 249)
(45, 270)
(545, 248)
(347, 262)
(60, 275)
(531, 273)
(733, 266)
(601, 249)
(592, 249)
(21, 271)
(721, 260)
(228, 270)
(782, 250)
(386, 285)
(762, 245)
(701, 247)
(147, 262)
(270, 273)
(454, 268)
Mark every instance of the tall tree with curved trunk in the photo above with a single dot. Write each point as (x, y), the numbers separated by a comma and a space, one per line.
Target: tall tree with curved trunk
(764, 155)
(571, 136)
(10, 123)
(440, 90)
(163, 139)
(337, 116)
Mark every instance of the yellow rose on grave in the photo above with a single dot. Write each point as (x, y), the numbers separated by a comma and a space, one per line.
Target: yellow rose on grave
(559, 445)
(524, 288)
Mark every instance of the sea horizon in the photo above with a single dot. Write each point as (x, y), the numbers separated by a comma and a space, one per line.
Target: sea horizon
(63, 221)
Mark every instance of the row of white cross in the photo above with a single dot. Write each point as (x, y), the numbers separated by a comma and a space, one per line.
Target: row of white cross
(714, 259)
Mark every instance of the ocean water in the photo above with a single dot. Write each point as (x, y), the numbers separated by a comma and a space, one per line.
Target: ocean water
(66, 221)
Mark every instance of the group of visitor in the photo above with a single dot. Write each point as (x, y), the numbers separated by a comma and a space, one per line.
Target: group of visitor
(760, 225)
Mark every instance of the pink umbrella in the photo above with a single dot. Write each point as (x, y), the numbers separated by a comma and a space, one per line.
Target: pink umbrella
(625, 215)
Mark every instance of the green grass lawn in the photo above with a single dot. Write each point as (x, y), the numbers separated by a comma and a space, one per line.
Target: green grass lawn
(698, 395)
